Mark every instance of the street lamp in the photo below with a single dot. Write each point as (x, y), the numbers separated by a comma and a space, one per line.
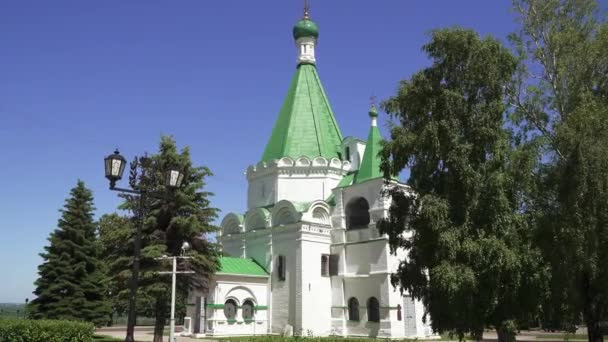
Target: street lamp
(185, 247)
(114, 167)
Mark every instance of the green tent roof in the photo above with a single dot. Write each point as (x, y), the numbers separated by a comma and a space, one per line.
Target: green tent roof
(240, 266)
(370, 164)
(306, 125)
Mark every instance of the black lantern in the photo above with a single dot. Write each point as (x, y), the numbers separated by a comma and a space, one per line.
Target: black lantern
(115, 166)
(174, 178)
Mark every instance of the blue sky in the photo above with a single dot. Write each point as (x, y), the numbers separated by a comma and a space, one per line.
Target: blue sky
(79, 78)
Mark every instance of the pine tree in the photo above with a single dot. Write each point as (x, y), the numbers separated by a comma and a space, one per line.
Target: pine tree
(184, 215)
(72, 282)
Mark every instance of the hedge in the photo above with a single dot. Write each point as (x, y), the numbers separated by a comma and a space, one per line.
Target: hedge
(25, 330)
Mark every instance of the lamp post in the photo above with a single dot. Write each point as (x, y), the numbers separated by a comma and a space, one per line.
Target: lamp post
(185, 247)
(114, 168)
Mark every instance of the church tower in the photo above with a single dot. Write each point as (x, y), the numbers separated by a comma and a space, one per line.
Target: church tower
(307, 255)
(302, 160)
(287, 226)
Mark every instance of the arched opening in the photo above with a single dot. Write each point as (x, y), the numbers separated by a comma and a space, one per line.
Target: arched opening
(357, 213)
(248, 310)
(373, 310)
(320, 215)
(353, 309)
(230, 307)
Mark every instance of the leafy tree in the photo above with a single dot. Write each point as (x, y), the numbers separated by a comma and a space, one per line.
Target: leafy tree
(184, 215)
(72, 282)
(561, 102)
(470, 259)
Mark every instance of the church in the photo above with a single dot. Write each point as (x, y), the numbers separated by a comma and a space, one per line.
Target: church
(306, 257)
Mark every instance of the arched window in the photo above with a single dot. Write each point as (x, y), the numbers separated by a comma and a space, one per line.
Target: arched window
(230, 308)
(357, 213)
(398, 312)
(353, 309)
(248, 310)
(347, 152)
(373, 310)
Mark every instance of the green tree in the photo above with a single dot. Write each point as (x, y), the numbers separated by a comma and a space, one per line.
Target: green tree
(561, 101)
(469, 260)
(185, 215)
(72, 282)
(114, 230)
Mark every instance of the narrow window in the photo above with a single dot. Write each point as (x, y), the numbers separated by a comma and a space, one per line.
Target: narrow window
(347, 153)
(325, 265)
(398, 312)
(230, 309)
(357, 214)
(334, 260)
(373, 310)
(248, 310)
(281, 267)
(353, 309)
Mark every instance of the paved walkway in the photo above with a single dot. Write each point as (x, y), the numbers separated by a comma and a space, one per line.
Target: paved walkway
(143, 334)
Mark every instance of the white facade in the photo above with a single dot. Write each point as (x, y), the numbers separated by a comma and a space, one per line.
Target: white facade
(311, 225)
(298, 224)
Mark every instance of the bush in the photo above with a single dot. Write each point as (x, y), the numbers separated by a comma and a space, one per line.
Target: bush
(25, 330)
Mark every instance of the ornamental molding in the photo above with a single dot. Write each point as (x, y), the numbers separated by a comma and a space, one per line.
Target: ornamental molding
(299, 166)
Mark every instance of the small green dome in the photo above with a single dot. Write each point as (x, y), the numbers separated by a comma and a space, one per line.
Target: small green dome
(373, 112)
(305, 28)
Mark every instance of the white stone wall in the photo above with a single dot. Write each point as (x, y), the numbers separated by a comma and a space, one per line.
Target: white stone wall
(256, 247)
(240, 289)
(316, 289)
(306, 188)
(353, 149)
(301, 180)
(283, 293)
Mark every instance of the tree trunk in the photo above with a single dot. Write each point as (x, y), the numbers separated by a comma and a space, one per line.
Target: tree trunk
(161, 316)
(477, 334)
(592, 319)
(591, 312)
(506, 331)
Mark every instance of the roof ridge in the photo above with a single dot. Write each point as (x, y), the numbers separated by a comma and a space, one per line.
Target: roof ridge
(314, 115)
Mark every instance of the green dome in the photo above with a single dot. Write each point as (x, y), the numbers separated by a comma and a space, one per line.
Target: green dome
(305, 28)
(373, 112)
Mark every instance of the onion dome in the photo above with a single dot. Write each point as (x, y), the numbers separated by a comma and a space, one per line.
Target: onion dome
(305, 28)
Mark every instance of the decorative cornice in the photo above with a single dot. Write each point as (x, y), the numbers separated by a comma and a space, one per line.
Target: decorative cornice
(302, 165)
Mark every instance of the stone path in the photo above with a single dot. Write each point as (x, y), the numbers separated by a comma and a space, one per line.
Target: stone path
(143, 334)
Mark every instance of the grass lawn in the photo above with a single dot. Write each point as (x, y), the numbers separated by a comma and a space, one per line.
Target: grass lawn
(103, 338)
(564, 337)
(302, 339)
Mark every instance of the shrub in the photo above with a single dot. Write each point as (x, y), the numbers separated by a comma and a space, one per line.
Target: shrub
(25, 330)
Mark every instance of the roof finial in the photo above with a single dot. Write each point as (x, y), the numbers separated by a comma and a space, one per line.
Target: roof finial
(373, 110)
(306, 8)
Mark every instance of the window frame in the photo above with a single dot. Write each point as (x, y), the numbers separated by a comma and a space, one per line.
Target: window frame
(236, 309)
(353, 309)
(281, 268)
(252, 305)
(373, 311)
(325, 265)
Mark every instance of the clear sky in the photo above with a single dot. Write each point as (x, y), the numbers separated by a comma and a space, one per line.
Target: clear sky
(79, 78)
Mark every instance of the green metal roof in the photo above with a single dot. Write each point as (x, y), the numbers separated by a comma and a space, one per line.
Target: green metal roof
(370, 164)
(306, 125)
(240, 266)
(347, 180)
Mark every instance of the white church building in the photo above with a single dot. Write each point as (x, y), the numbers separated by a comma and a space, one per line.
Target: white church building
(307, 257)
